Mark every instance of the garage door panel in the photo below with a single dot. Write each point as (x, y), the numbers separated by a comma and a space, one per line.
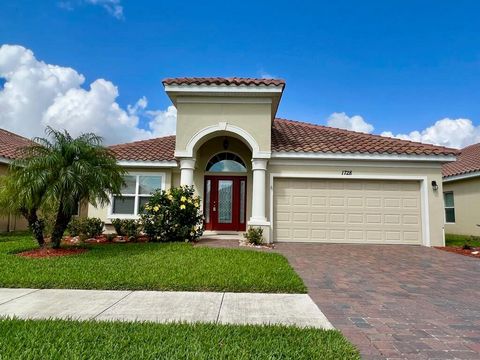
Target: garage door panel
(351, 211)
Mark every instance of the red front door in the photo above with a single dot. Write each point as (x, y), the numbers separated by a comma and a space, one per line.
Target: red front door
(225, 199)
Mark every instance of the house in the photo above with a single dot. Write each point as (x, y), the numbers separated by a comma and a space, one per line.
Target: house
(461, 192)
(10, 144)
(300, 182)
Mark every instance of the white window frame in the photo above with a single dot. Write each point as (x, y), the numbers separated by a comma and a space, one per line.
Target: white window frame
(137, 195)
(445, 207)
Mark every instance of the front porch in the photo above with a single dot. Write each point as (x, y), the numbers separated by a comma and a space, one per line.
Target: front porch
(231, 183)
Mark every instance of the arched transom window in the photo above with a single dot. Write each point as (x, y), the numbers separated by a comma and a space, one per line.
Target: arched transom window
(226, 162)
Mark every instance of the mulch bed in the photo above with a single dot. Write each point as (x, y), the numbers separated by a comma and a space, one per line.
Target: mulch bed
(459, 250)
(48, 252)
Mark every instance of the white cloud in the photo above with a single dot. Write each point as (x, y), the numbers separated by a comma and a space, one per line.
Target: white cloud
(163, 122)
(266, 75)
(36, 94)
(355, 123)
(113, 7)
(456, 133)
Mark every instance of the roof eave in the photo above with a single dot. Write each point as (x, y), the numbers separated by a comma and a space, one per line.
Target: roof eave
(273, 91)
(148, 164)
(4, 160)
(463, 176)
(361, 156)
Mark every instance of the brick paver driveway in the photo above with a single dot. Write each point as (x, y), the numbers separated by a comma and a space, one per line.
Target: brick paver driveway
(395, 301)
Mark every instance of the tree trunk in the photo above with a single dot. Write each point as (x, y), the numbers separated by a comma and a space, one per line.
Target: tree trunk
(35, 224)
(61, 223)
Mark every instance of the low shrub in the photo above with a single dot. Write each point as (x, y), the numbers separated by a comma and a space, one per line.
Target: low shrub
(85, 227)
(127, 227)
(254, 235)
(118, 226)
(173, 215)
(75, 227)
(93, 227)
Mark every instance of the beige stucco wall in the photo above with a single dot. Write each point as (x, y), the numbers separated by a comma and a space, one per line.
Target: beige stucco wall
(253, 117)
(466, 195)
(371, 169)
(101, 212)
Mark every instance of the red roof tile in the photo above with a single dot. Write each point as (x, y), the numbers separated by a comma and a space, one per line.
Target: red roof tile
(235, 81)
(294, 136)
(467, 162)
(11, 144)
(159, 149)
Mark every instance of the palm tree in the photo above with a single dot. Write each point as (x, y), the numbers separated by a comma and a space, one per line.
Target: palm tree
(63, 171)
(17, 196)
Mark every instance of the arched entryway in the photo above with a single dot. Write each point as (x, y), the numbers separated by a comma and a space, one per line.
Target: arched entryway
(225, 193)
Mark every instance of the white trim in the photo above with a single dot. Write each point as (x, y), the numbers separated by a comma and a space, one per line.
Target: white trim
(259, 164)
(461, 176)
(360, 156)
(148, 164)
(222, 127)
(4, 160)
(111, 215)
(224, 88)
(423, 193)
(352, 163)
(445, 207)
(221, 100)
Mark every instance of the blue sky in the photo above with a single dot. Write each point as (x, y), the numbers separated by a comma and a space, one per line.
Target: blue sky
(399, 65)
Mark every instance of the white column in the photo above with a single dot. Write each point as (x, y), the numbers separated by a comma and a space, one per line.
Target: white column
(259, 167)
(187, 166)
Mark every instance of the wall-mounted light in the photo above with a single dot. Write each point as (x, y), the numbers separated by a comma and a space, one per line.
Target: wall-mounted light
(434, 185)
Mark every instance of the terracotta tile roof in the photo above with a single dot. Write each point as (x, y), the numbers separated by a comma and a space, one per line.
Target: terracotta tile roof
(294, 136)
(159, 149)
(10, 144)
(236, 81)
(467, 162)
(297, 136)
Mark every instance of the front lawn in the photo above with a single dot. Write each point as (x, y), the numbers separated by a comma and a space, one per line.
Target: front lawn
(460, 240)
(61, 339)
(150, 266)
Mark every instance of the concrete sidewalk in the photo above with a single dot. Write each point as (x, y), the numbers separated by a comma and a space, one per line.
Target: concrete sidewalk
(163, 306)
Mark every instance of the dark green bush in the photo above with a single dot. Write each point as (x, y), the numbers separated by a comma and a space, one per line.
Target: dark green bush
(93, 227)
(76, 226)
(173, 215)
(88, 227)
(254, 235)
(118, 226)
(127, 227)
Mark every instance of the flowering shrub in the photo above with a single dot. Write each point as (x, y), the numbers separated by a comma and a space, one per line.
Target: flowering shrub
(173, 215)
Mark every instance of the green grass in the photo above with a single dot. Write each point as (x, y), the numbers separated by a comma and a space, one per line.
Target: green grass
(150, 266)
(61, 339)
(460, 240)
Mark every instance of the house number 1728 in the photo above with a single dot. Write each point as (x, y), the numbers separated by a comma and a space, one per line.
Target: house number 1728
(347, 172)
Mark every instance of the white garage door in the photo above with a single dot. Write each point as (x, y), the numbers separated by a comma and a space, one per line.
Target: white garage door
(349, 211)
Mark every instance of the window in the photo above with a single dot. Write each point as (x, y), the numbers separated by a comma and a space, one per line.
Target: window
(449, 207)
(135, 194)
(226, 162)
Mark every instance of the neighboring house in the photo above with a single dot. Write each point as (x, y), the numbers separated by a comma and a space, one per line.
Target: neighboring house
(300, 182)
(461, 192)
(10, 144)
